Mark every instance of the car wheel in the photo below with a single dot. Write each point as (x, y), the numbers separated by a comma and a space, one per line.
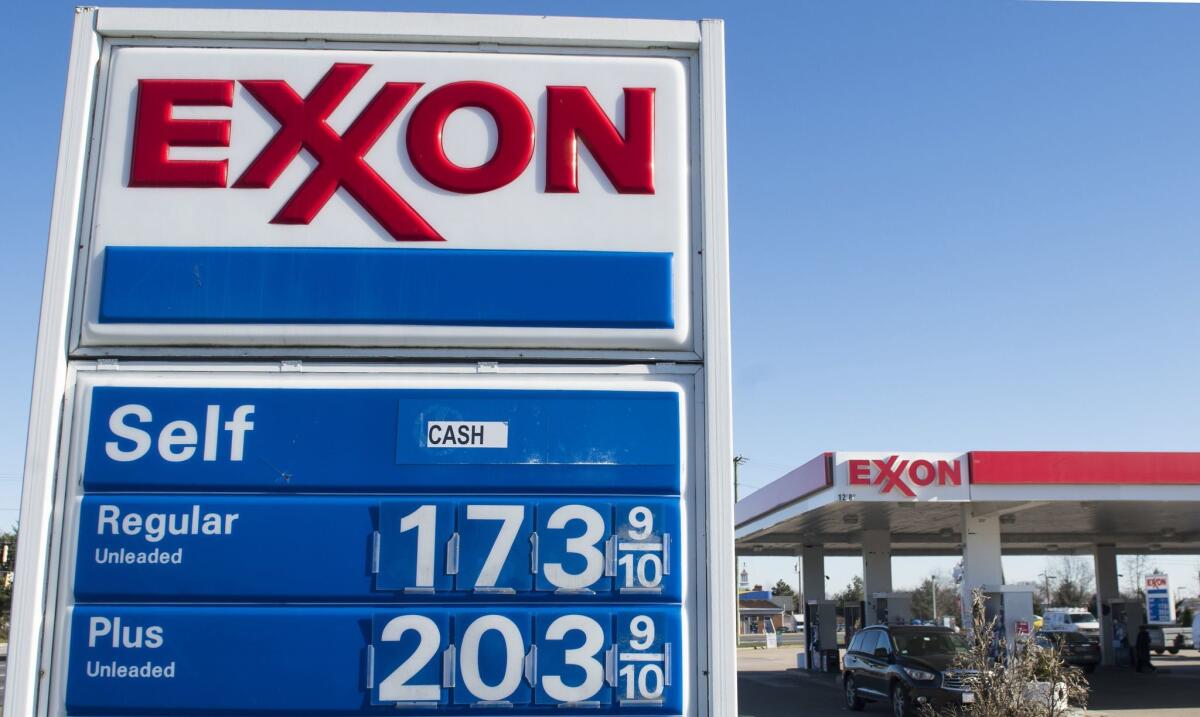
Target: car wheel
(1159, 651)
(1173, 650)
(853, 701)
(900, 700)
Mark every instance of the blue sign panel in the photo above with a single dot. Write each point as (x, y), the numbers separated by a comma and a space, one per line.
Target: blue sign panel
(382, 440)
(1158, 606)
(338, 548)
(362, 660)
(139, 548)
(332, 551)
(273, 285)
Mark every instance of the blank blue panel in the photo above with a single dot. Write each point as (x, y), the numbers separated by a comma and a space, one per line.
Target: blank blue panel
(431, 287)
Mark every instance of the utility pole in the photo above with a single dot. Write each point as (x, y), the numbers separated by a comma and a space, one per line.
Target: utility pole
(933, 595)
(737, 461)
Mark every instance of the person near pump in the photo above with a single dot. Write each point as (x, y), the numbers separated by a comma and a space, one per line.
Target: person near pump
(1142, 649)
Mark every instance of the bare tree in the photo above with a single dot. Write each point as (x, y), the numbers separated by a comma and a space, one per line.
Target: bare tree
(1135, 568)
(1075, 582)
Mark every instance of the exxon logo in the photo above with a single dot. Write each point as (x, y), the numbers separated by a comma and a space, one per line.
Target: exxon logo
(572, 115)
(903, 475)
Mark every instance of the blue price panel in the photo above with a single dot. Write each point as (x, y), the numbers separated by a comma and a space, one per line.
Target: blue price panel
(359, 660)
(560, 659)
(534, 547)
(335, 548)
(293, 440)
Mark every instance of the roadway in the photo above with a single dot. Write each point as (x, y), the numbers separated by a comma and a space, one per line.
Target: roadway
(769, 685)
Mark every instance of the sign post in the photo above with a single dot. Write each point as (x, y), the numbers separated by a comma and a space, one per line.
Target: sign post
(383, 364)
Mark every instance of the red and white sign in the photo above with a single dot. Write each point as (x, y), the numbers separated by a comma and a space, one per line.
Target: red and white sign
(257, 147)
(1157, 582)
(882, 476)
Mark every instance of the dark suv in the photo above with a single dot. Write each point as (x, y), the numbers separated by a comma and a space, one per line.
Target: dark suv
(1075, 648)
(909, 665)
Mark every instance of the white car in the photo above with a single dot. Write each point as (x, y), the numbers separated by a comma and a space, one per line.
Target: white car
(1071, 619)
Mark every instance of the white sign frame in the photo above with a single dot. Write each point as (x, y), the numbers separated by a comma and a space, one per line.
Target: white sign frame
(60, 356)
(698, 45)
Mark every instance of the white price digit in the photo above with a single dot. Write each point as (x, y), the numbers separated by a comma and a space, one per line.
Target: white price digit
(584, 545)
(424, 519)
(641, 523)
(583, 657)
(647, 673)
(642, 629)
(395, 686)
(644, 679)
(512, 517)
(646, 569)
(514, 652)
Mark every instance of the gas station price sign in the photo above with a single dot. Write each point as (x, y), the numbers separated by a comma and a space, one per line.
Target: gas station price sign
(383, 366)
(544, 569)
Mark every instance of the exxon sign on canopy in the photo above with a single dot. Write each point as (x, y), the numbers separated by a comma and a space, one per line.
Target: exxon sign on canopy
(435, 198)
(885, 476)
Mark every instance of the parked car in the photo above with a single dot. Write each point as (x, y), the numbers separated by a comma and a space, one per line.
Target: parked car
(907, 665)
(1071, 619)
(1076, 649)
(1170, 638)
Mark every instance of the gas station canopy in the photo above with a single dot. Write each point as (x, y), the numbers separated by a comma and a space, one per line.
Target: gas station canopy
(1046, 502)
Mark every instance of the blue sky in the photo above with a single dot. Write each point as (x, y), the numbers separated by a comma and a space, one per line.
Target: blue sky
(955, 225)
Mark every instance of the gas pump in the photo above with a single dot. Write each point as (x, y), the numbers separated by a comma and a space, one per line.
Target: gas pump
(1012, 608)
(820, 636)
(1126, 616)
(852, 616)
(893, 608)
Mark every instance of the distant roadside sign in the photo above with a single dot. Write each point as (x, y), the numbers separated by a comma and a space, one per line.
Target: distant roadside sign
(1160, 606)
